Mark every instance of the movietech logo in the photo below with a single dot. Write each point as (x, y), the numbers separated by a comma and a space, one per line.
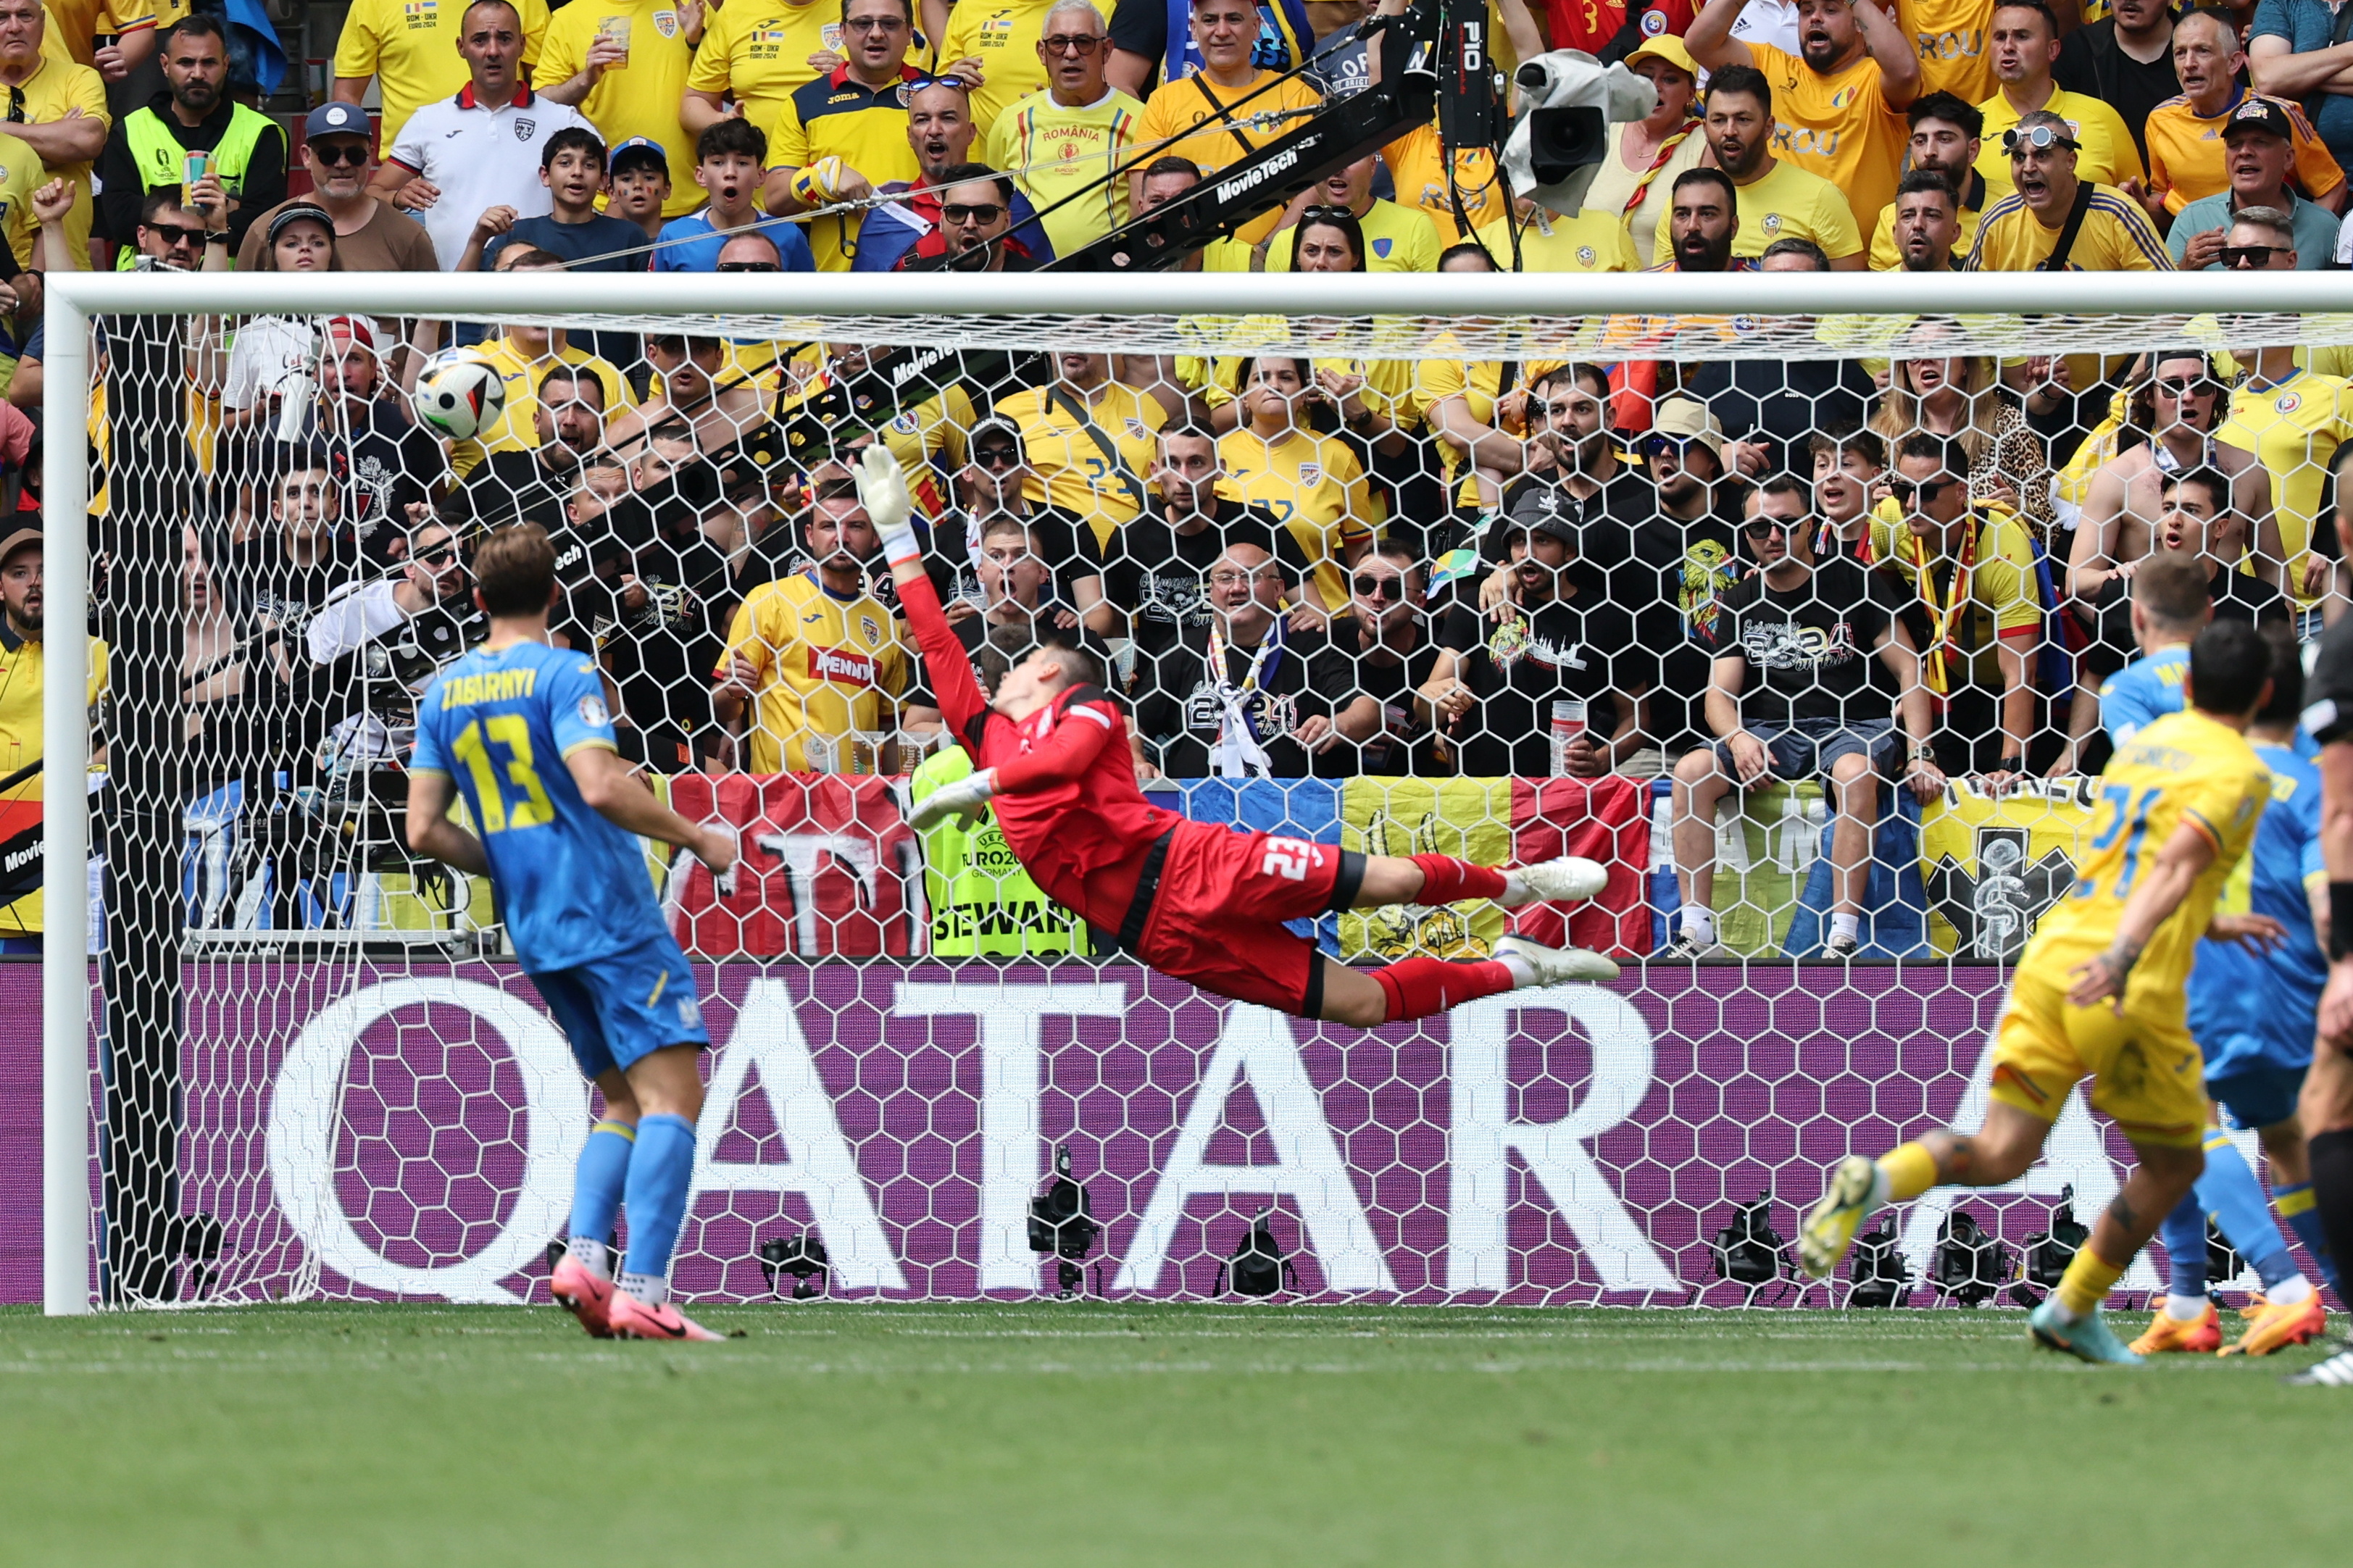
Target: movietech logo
(767, 1053)
(1241, 184)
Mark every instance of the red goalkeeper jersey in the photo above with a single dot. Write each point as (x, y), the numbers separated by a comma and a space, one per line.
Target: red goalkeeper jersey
(1066, 800)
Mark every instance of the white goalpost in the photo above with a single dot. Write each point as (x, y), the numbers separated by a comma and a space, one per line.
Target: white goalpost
(897, 1098)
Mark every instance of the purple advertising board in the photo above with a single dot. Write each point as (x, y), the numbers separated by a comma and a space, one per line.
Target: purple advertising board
(409, 1131)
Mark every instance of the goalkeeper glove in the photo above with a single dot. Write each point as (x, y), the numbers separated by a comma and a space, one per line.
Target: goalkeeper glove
(882, 489)
(965, 798)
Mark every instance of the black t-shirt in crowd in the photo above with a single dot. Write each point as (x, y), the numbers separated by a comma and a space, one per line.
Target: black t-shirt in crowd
(1404, 745)
(1180, 714)
(2090, 63)
(1782, 402)
(274, 597)
(1582, 647)
(668, 630)
(1808, 648)
(511, 487)
(1676, 572)
(1157, 574)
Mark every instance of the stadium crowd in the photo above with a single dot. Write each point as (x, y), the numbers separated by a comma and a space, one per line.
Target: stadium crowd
(1881, 573)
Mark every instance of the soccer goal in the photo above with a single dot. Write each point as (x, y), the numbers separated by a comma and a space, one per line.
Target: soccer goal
(1476, 563)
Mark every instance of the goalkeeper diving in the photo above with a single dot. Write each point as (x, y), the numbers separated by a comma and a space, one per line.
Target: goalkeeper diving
(2099, 992)
(1199, 901)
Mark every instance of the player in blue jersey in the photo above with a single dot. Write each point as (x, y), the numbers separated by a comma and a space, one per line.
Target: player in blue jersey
(2253, 1015)
(520, 730)
(2170, 607)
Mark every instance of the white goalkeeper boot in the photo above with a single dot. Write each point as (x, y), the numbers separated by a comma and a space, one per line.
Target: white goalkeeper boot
(1568, 880)
(1536, 964)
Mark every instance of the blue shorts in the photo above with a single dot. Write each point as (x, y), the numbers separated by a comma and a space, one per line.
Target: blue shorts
(2258, 1097)
(626, 1006)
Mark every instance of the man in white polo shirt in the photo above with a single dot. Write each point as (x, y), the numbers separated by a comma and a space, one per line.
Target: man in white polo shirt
(458, 157)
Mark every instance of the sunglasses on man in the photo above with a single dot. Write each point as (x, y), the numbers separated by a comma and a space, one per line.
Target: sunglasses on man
(2258, 257)
(1367, 585)
(2181, 386)
(996, 457)
(1929, 490)
(749, 266)
(1071, 44)
(340, 153)
(173, 235)
(958, 214)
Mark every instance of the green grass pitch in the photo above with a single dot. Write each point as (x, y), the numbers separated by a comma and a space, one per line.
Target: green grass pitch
(1103, 1434)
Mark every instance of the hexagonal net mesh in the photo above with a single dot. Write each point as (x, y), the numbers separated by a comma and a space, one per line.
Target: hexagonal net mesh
(1815, 632)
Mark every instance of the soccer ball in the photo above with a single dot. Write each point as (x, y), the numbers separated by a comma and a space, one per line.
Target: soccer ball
(458, 395)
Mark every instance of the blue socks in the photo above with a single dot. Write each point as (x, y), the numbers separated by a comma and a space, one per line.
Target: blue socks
(2184, 1234)
(2296, 1207)
(2230, 1192)
(2227, 1189)
(597, 1192)
(661, 1168)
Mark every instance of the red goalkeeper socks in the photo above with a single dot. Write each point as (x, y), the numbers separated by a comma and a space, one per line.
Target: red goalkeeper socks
(1416, 987)
(1446, 880)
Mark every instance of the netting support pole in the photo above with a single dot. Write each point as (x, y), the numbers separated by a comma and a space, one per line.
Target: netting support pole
(66, 1080)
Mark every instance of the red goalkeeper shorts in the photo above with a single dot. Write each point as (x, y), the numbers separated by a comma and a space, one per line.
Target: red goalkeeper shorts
(1207, 904)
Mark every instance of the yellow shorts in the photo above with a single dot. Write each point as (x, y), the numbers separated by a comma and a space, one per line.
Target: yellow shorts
(2145, 1073)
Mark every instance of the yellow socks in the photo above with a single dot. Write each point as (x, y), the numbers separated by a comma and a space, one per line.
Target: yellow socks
(2087, 1282)
(1908, 1172)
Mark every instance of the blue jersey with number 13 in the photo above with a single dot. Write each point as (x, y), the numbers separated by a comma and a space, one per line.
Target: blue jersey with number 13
(571, 887)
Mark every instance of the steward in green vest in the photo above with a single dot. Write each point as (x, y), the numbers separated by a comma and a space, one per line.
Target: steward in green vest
(148, 147)
(984, 905)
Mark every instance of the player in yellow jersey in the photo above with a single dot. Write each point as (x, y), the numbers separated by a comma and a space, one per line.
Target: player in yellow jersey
(2099, 994)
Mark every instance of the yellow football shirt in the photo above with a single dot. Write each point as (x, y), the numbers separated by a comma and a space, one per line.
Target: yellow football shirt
(1062, 158)
(517, 428)
(1480, 384)
(1417, 167)
(1794, 203)
(20, 175)
(1173, 126)
(1592, 241)
(2292, 427)
(1950, 39)
(1837, 126)
(838, 116)
(1003, 37)
(2186, 156)
(2117, 236)
(21, 667)
(640, 99)
(2000, 596)
(411, 47)
(1397, 240)
(56, 86)
(757, 52)
(2109, 155)
(2183, 768)
(1069, 466)
(1315, 486)
(825, 665)
(74, 26)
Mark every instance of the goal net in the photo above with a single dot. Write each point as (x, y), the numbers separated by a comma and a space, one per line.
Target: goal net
(1796, 616)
